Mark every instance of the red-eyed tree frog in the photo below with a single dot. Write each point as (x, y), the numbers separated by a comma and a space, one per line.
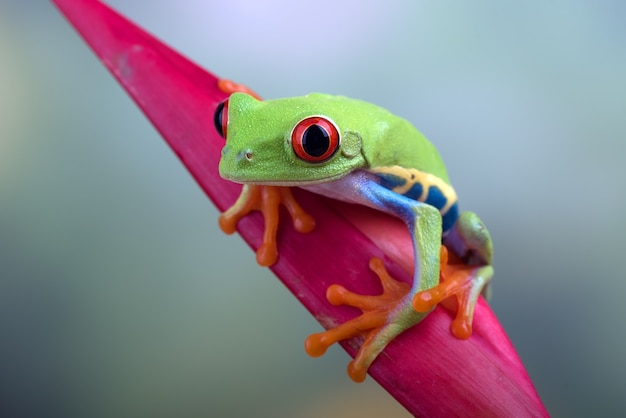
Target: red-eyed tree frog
(357, 152)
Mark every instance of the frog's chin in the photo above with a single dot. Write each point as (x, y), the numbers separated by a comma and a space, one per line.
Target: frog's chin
(282, 183)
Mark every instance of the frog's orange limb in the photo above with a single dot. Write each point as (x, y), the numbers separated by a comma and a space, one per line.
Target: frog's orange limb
(267, 200)
(230, 87)
(377, 322)
(385, 316)
(463, 282)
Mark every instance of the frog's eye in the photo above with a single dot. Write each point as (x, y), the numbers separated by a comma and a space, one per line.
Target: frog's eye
(315, 139)
(220, 118)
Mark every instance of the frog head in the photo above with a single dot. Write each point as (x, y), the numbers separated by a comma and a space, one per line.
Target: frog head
(290, 142)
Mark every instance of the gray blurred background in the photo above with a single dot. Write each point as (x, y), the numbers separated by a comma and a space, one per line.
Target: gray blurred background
(120, 297)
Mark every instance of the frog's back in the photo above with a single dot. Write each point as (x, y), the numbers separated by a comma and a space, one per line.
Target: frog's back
(399, 143)
(406, 162)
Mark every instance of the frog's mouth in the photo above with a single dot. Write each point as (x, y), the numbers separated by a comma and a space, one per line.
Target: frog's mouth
(282, 183)
(242, 166)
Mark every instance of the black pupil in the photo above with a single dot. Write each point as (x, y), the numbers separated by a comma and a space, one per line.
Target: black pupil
(315, 141)
(217, 119)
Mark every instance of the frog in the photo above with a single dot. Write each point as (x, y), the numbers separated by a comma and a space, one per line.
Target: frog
(357, 152)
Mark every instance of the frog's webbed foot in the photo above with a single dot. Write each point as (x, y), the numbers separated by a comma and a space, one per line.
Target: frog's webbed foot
(266, 199)
(384, 317)
(465, 274)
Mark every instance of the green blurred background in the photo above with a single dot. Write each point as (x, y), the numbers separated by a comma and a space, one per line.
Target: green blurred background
(120, 297)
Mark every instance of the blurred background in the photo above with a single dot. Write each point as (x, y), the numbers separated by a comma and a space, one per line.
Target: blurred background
(119, 296)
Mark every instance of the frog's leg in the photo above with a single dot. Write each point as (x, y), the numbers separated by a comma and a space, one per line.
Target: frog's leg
(470, 241)
(384, 316)
(266, 199)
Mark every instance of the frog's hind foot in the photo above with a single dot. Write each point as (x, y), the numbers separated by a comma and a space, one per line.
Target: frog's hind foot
(461, 281)
(384, 317)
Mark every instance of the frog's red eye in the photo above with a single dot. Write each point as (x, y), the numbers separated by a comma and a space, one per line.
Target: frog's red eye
(315, 139)
(220, 118)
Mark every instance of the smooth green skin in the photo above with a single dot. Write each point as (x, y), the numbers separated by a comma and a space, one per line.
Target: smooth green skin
(371, 137)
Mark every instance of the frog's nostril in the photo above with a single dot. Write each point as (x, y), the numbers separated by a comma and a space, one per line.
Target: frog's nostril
(245, 155)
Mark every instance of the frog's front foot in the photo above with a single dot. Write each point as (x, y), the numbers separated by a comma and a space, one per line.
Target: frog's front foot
(267, 200)
(384, 317)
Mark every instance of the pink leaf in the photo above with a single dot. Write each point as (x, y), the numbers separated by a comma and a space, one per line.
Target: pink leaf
(426, 369)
